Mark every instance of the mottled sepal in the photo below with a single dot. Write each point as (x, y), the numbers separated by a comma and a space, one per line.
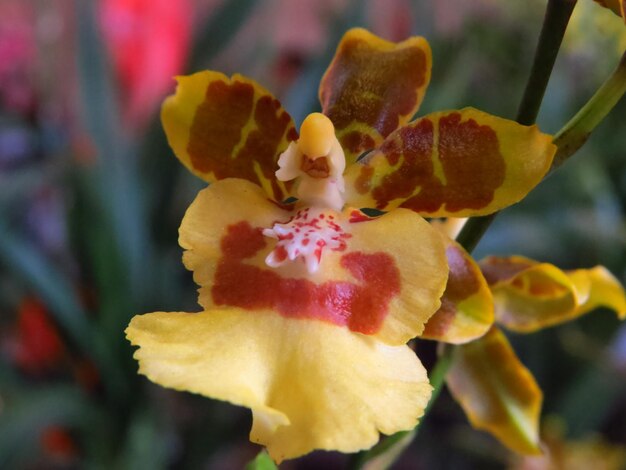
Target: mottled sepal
(222, 127)
(496, 391)
(466, 311)
(373, 86)
(529, 296)
(452, 164)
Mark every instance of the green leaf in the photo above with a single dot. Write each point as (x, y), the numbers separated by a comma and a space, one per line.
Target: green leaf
(29, 263)
(262, 462)
(117, 177)
(29, 413)
(218, 31)
(59, 294)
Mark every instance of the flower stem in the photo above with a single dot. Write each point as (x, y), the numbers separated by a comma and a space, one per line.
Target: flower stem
(576, 132)
(555, 22)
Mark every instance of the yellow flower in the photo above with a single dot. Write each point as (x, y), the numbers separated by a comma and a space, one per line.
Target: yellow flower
(307, 308)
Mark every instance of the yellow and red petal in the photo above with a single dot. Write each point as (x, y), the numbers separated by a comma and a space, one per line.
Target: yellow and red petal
(222, 127)
(418, 252)
(309, 384)
(372, 86)
(529, 296)
(386, 281)
(466, 311)
(452, 164)
(496, 391)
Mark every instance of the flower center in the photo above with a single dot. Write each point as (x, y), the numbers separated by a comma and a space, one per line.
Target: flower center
(306, 235)
(317, 162)
(315, 167)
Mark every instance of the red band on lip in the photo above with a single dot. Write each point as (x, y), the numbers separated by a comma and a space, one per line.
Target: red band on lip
(361, 306)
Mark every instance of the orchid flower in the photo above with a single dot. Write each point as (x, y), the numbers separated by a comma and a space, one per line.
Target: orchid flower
(307, 307)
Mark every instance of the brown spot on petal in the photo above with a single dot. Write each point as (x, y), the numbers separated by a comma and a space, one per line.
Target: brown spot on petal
(463, 282)
(362, 183)
(212, 139)
(469, 157)
(441, 321)
(501, 269)
(372, 83)
(216, 136)
(415, 148)
(356, 142)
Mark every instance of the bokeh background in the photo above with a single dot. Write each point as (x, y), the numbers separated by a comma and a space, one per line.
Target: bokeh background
(91, 198)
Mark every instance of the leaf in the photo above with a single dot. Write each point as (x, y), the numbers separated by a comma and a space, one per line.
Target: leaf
(31, 412)
(54, 288)
(496, 391)
(58, 293)
(117, 181)
(261, 462)
(219, 29)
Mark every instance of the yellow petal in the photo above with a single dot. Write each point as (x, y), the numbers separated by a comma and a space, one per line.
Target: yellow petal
(530, 296)
(386, 282)
(452, 164)
(496, 391)
(222, 127)
(533, 296)
(466, 311)
(602, 290)
(309, 384)
(372, 86)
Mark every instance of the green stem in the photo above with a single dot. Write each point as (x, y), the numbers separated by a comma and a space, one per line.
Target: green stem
(555, 22)
(576, 132)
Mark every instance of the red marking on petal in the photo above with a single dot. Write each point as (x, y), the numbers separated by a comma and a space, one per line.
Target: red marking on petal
(244, 245)
(280, 254)
(357, 216)
(361, 306)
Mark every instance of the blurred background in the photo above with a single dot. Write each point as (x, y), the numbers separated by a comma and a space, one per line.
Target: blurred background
(91, 198)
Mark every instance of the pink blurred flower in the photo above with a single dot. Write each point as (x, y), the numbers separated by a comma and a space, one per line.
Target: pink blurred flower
(18, 53)
(148, 41)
